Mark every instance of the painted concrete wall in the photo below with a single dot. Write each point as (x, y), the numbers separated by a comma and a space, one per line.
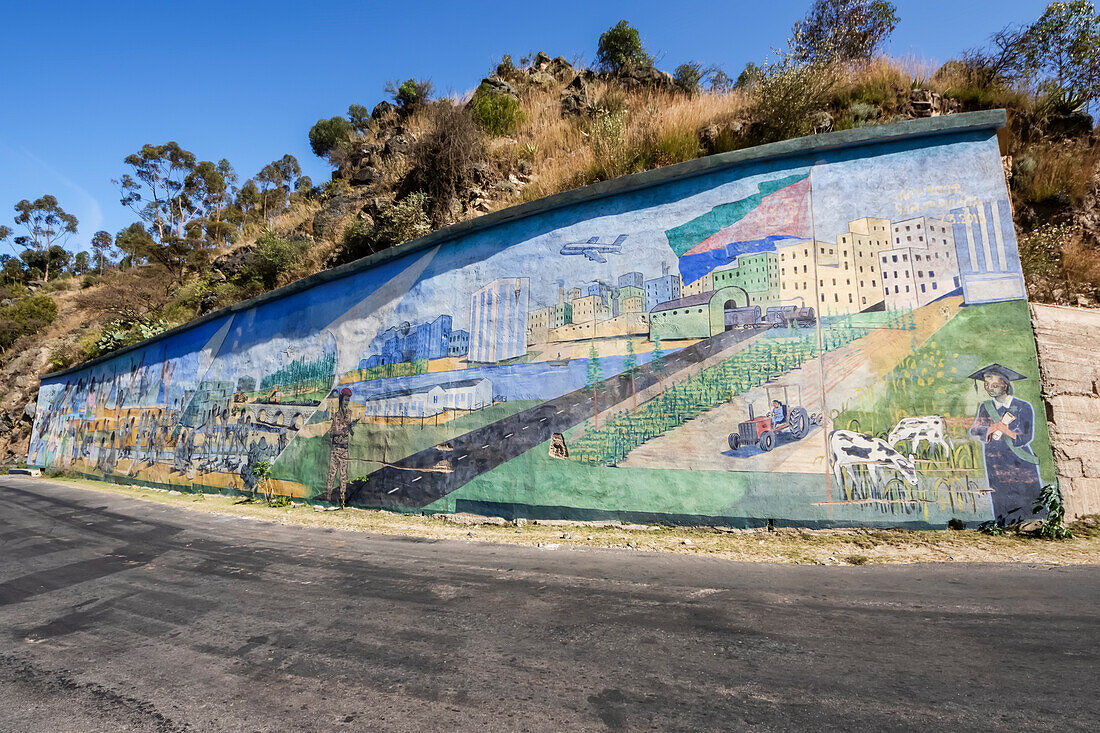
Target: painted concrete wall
(907, 412)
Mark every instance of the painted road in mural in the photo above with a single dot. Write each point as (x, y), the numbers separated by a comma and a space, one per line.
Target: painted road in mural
(839, 337)
(420, 479)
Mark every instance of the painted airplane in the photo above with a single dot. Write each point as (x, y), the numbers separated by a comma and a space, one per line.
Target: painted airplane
(593, 250)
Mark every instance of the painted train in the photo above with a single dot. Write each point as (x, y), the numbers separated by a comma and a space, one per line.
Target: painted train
(781, 316)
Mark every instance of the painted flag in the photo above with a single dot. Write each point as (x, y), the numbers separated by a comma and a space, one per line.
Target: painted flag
(779, 210)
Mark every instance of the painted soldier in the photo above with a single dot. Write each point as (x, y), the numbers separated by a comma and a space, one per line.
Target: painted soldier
(340, 434)
(1005, 426)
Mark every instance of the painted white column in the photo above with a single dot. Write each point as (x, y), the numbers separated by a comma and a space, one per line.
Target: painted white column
(998, 236)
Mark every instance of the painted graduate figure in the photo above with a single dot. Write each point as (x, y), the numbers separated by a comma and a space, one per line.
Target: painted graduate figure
(1005, 427)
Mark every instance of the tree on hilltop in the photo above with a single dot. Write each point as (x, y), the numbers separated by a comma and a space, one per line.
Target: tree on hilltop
(174, 194)
(621, 48)
(101, 245)
(844, 30)
(48, 226)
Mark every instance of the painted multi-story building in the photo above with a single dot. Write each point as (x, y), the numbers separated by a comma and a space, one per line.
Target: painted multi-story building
(459, 343)
(867, 238)
(408, 342)
(498, 320)
(704, 284)
(661, 290)
(757, 274)
(989, 263)
(922, 265)
(631, 279)
(602, 289)
(590, 308)
(797, 273)
(631, 299)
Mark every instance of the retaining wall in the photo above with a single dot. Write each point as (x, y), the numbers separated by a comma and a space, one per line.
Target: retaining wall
(825, 331)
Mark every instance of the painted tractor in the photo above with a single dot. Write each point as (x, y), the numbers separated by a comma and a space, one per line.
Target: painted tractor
(762, 431)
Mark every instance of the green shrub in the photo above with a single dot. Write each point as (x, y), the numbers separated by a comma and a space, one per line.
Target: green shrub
(1050, 502)
(786, 95)
(326, 135)
(621, 48)
(499, 114)
(272, 257)
(396, 223)
(1041, 249)
(410, 93)
(26, 316)
(689, 77)
(121, 333)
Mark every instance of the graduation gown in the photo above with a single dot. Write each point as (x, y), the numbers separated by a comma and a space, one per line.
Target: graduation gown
(1010, 465)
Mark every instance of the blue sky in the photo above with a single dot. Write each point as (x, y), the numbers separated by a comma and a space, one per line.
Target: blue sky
(84, 84)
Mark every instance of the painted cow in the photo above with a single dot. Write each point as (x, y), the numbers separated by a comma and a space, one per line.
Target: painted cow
(932, 429)
(848, 448)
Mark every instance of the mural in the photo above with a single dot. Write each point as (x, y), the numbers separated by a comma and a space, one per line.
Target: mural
(835, 339)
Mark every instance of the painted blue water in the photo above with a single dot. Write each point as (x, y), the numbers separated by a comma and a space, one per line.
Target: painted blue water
(537, 381)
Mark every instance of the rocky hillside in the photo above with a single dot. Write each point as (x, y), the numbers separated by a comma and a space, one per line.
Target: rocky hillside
(540, 127)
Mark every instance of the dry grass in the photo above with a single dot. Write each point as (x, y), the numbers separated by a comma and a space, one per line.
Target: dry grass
(794, 546)
(1081, 262)
(1058, 169)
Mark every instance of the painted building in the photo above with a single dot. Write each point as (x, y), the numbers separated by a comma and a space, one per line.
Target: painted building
(498, 320)
(704, 284)
(458, 344)
(757, 274)
(989, 262)
(661, 290)
(695, 316)
(797, 273)
(867, 237)
(631, 279)
(409, 342)
(431, 400)
(590, 308)
(632, 295)
(922, 265)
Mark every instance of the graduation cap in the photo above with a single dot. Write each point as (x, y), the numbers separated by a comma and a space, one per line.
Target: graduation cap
(1009, 375)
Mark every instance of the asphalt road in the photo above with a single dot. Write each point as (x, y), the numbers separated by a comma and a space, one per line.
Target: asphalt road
(124, 615)
(416, 481)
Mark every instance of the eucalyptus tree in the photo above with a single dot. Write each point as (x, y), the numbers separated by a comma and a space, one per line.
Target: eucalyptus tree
(48, 225)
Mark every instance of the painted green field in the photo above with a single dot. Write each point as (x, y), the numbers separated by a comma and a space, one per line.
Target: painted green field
(305, 460)
(933, 379)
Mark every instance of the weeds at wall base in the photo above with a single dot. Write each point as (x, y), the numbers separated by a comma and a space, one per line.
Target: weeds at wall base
(788, 545)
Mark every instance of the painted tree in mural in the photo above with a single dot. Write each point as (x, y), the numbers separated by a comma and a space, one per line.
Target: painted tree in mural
(593, 377)
(307, 375)
(658, 360)
(630, 366)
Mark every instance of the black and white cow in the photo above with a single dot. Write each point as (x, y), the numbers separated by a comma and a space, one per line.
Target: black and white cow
(848, 448)
(932, 429)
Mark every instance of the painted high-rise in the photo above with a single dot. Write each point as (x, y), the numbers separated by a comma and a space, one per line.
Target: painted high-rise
(498, 320)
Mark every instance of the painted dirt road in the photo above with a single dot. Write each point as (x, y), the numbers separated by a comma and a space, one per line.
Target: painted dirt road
(124, 615)
(430, 474)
